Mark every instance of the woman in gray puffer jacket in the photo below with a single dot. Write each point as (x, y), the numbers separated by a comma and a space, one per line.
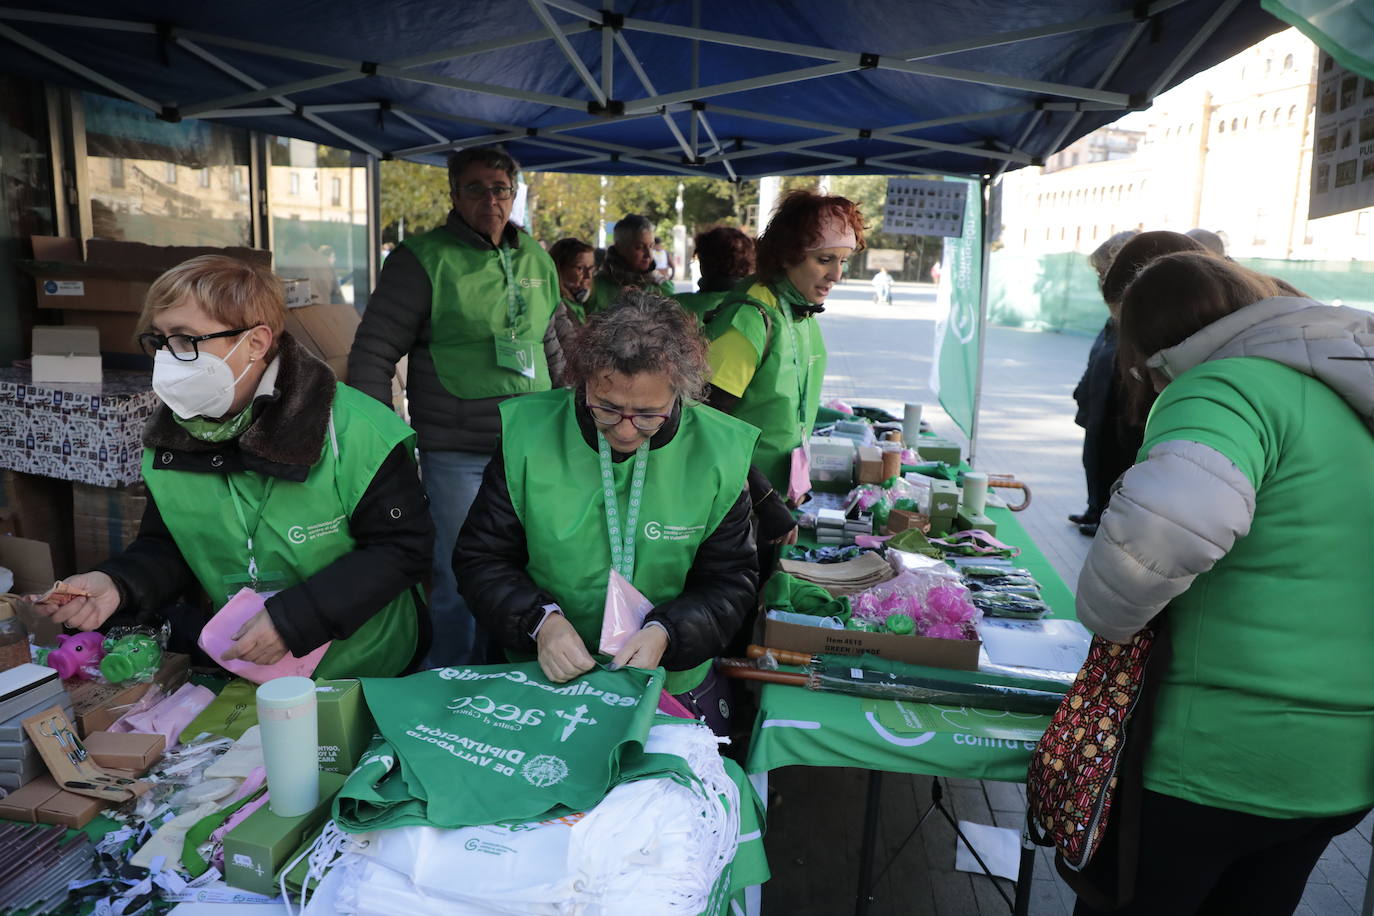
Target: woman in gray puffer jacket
(1249, 517)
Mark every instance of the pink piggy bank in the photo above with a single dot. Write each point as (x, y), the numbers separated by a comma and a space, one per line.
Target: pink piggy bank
(74, 653)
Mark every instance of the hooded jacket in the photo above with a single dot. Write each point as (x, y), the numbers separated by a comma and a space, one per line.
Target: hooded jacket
(1250, 516)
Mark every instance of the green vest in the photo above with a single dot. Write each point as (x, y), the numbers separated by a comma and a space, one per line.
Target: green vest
(604, 293)
(785, 393)
(471, 307)
(304, 527)
(554, 478)
(701, 304)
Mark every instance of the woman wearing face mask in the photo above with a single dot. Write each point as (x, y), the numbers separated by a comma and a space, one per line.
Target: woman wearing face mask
(265, 473)
(576, 263)
(767, 354)
(580, 465)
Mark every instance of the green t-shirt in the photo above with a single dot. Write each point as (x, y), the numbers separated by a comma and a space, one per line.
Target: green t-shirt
(1268, 705)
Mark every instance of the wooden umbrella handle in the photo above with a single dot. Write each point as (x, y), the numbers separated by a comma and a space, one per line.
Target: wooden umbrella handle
(1007, 482)
(784, 656)
(742, 670)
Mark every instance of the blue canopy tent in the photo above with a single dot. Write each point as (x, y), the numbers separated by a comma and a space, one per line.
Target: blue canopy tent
(743, 89)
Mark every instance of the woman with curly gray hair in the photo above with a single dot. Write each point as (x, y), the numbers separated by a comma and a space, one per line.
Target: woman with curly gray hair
(623, 471)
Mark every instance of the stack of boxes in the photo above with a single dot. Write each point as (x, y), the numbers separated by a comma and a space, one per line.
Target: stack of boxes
(832, 463)
(944, 506)
(24, 691)
(830, 527)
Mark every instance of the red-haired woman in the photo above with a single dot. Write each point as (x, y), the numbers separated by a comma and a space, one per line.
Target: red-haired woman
(767, 355)
(726, 256)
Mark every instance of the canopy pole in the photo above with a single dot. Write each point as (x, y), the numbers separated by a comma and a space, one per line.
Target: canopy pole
(984, 189)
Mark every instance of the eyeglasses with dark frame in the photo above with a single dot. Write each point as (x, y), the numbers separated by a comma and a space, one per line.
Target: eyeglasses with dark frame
(478, 191)
(185, 347)
(644, 422)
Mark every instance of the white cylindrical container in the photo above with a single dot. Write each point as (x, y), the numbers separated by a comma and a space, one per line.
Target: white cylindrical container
(975, 493)
(288, 718)
(911, 424)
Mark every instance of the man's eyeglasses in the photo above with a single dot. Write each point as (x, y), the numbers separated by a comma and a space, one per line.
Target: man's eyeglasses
(185, 347)
(478, 191)
(644, 422)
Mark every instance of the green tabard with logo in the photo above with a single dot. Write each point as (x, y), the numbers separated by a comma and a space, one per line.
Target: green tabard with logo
(605, 293)
(554, 479)
(785, 393)
(473, 309)
(303, 527)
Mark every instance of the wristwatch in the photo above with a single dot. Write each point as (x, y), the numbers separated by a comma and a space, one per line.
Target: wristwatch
(548, 609)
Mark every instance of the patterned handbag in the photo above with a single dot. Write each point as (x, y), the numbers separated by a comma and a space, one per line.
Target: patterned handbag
(1083, 756)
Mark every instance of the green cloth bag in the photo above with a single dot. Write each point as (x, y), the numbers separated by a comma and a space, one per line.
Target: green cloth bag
(232, 712)
(784, 592)
(501, 744)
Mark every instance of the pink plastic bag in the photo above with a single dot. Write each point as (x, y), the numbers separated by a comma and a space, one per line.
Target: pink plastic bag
(799, 483)
(217, 638)
(169, 715)
(625, 611)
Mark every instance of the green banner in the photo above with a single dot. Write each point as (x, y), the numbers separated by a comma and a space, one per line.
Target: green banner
(954, 366)
(1340, 28)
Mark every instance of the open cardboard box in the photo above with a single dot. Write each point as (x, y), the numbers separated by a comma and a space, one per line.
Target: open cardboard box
(916, 650)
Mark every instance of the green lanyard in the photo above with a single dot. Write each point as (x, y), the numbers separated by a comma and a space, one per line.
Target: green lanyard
(622, 540)
(802, 379)
(250, 533)
(515, 300)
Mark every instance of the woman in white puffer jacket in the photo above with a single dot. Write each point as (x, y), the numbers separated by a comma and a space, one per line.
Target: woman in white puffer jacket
(1249, 521)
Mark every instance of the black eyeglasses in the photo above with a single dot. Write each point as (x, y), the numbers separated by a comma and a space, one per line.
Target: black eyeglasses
(478, 191)
(185, 347)
(644, 422)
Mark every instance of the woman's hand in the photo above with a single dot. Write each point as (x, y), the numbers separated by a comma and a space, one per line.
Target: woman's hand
(85, 611)
(643, 650)
(562, 655)
(258, 642)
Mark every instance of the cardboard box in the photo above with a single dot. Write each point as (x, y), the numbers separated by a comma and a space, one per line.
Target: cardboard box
(917, 650)
(105, 520)
(68, 809)
(965, 522)
(326, 331)
(345, 724)
(944, 499)
(23, 804)
(899, 520)
(69, 432)
(42, 511)
(98, 706)
(934, 448)
(869, 464)
(125, 750)
(69, 353)
(257, 849)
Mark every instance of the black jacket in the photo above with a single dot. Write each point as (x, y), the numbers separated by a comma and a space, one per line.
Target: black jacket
(1110, 439)
(390, 525)
(491, 555)
(397, 323)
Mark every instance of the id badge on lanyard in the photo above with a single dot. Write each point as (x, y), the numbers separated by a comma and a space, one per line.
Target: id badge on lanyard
(512, 353)
(799, 479)
(263, 581)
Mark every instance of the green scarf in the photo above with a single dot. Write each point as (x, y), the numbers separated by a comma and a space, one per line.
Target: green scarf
(577, 309)
(217, 430)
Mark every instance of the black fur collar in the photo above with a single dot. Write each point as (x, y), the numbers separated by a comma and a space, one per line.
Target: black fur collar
(287, 434)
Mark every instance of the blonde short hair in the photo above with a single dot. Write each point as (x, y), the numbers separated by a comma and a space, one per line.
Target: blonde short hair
(232, 292)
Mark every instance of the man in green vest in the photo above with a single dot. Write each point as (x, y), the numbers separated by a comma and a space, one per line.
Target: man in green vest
(624, 471)
(629, 264)
(264, 473)
(469, 303)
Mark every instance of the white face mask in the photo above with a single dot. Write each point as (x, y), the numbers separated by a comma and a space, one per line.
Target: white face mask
(202, 387)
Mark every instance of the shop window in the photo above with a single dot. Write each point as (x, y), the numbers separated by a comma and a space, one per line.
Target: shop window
(136, 200)
(26, 206)
(1261, 118)
(1292, 113)
(1288, 63)
(203, 177)
(318, 200)
(1221, 127)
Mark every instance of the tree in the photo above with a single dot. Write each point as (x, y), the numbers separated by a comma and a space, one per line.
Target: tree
(563, 205)
(414, 193)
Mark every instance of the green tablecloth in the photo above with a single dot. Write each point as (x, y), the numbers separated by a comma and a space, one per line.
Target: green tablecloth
(803, 727)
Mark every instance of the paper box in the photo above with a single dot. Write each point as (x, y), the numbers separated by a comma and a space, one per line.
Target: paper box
(257, 849)
(68, 809)
(105, 520)
(66, 354)
(91, 435)
(944, 499)
(42, 511)
(965, 522)
(933, 448)
(899, 520)
(917, 650)
(345, 724)
(125, 750)
(22, 805)
(870, 464)
(326, 331)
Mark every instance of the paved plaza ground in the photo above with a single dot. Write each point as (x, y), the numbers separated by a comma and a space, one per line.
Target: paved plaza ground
(881, 355)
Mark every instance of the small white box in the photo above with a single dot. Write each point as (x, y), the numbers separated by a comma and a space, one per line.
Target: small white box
(66, 354)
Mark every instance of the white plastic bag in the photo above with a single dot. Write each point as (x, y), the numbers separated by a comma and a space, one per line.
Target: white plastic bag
(624, 616)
